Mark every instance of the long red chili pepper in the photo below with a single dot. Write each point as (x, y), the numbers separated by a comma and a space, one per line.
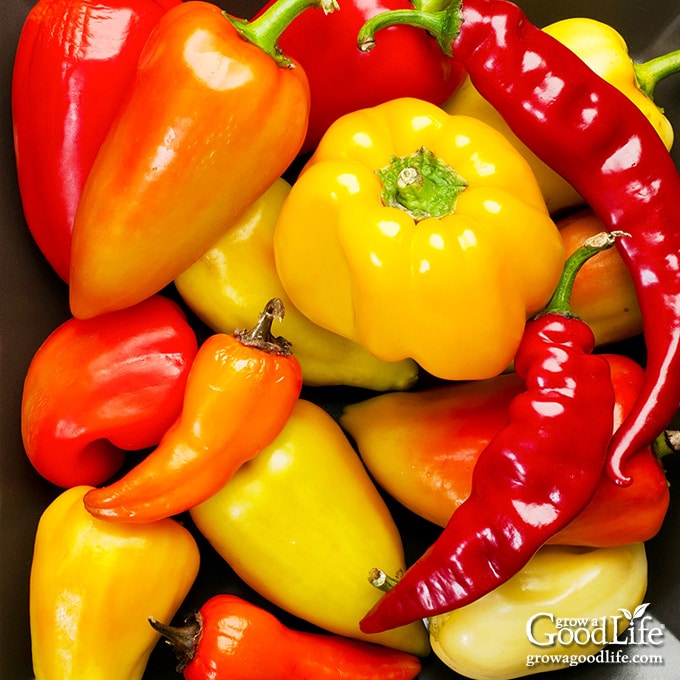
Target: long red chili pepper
(532, 479)
(593, 136)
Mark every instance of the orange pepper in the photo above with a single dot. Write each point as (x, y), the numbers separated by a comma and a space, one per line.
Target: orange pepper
(214, 117)
(603, 294)
(240, 393)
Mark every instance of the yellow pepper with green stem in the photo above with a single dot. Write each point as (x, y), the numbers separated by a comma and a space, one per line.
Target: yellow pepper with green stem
(94, 584)
(425, 236)
(228, 286)
(605, 51)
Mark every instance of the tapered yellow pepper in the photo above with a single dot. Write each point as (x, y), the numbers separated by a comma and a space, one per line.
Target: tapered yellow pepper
(559, 610)
(94, 584)
(303, 524)
(230, 283)
(605, 51)
(419, 234)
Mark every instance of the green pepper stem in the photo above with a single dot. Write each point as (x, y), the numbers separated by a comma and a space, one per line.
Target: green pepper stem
(666, 443)
(560, 302)
(421, 184)
(260, 336)
(266, 30)
(380, 580)
(443, 25)
(650, 73)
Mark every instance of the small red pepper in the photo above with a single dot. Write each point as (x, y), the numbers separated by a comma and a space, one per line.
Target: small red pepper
(602, 144)
(409, 64)
(232, 638)
(240, 392)
(74, 62)
(532, 479)
(100, 386)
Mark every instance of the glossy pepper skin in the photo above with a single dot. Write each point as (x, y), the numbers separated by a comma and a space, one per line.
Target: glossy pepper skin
(75, 61)
(489, 638)
(302, 524)
(603, 145)
(530, 481)
(604, 50)
(352, 80)
(93, 586)
(402, 269)
(212, 120)
(604, 293)
(98, 387)
(230, 282)
(229, 637)
(239, 394)
(421, 447)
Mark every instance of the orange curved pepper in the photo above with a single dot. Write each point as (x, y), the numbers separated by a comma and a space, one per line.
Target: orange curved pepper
(240, 393)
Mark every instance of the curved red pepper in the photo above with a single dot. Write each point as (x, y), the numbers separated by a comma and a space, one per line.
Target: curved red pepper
(97, 387)
(74, 62)
(602, 144)
(530, 481)
(409, 64)
(232, 638)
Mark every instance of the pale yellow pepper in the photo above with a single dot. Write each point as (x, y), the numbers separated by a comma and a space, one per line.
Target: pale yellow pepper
(94, 584)
(512, 631)
(303, 525)
(233, 280)
(605, 51)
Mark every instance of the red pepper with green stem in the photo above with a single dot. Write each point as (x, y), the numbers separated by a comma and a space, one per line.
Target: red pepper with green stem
(75, 61)
(592, 135)
(231, 638)
(533, 478)
(409, 64)
(240, 391)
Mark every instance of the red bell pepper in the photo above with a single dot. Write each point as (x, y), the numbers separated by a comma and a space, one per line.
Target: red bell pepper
(75, 61)
(100, 386)
(409, 63)
(231, 638)
(421, 447)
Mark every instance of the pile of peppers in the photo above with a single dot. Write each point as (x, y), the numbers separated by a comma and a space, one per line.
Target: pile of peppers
(248, 234)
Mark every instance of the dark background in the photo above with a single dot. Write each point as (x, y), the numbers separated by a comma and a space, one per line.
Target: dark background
(33, 301)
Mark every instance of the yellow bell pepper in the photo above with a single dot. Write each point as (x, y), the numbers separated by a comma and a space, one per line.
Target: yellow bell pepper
(554, 613)
(606, 53)
(416, 234)
(303, 524)
(94, 584)
(228, 286)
